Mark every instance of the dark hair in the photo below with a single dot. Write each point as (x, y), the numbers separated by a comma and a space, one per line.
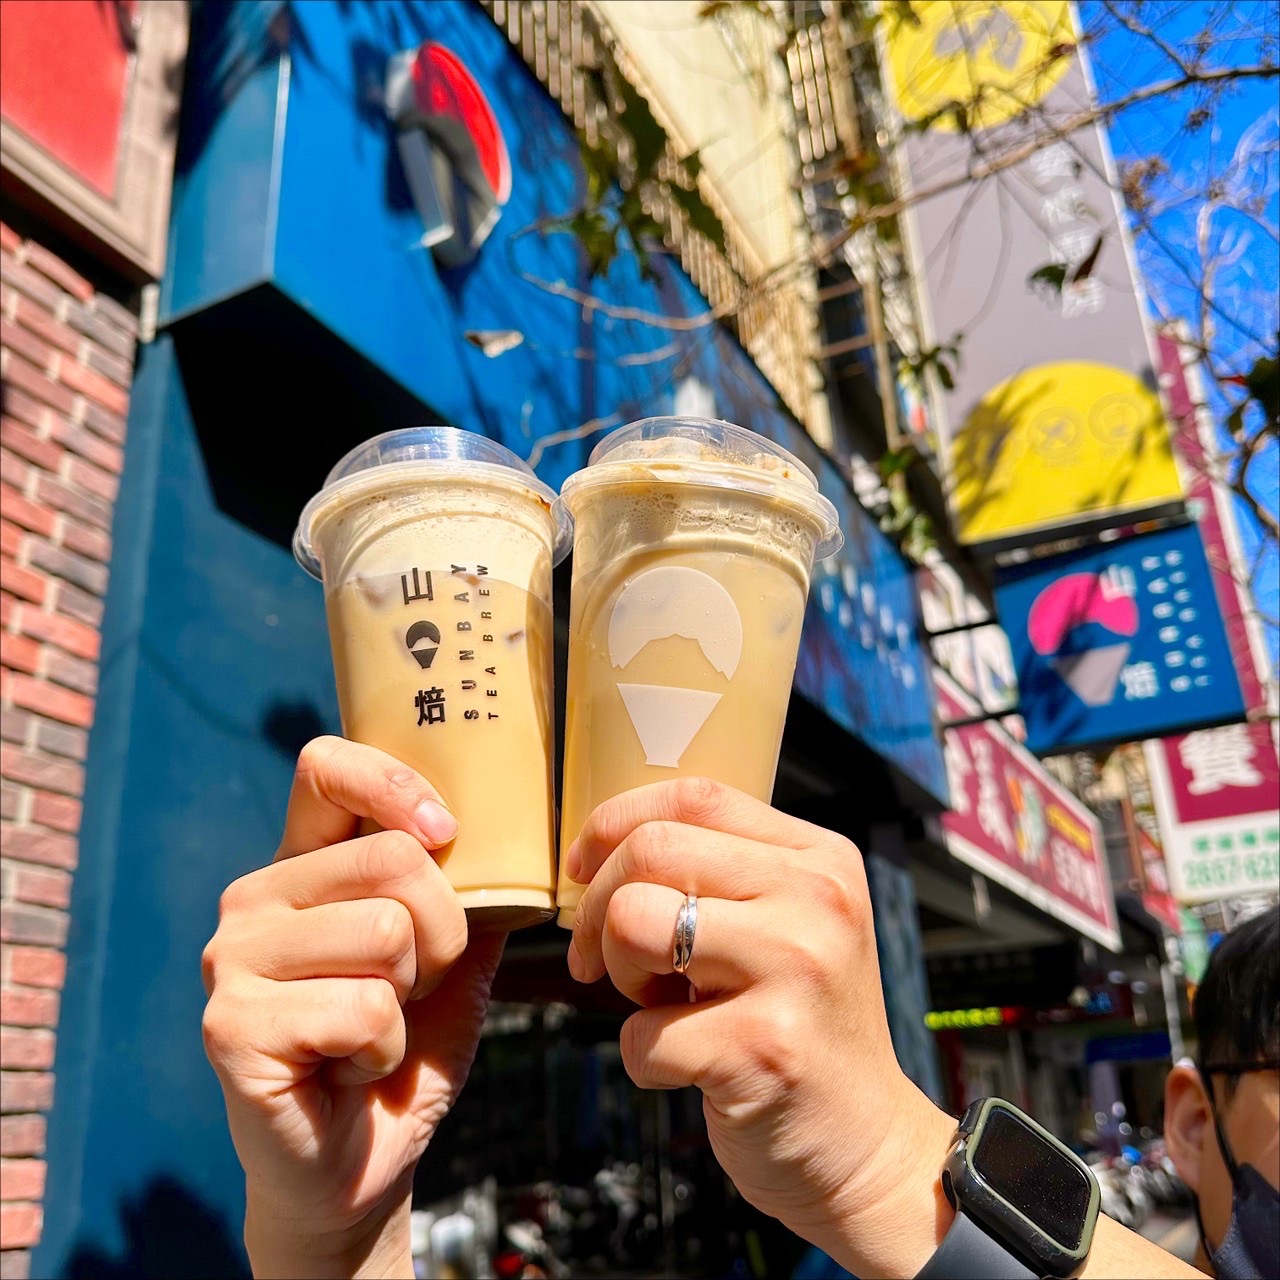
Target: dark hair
(1237, 1005)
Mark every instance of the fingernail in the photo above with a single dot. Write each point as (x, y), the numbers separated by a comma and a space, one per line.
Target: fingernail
(572, 861)
(575, 961)
(435, 822)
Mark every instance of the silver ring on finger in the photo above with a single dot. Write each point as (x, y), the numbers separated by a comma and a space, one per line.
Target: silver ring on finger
(686, 925)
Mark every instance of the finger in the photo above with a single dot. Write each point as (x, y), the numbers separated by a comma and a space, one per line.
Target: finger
(337, 783)
(638, 941)
(372, 938)
(690, 859)
(697, 802)
(389, 864)
(272, 1032)
(680, 1046)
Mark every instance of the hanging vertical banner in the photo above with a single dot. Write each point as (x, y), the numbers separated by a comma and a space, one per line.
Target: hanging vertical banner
(1143, 830)
(1157, 899)
(1215, 516)
(1013, 821)
(1217, 790)
(1118, 642)
(1052, 421)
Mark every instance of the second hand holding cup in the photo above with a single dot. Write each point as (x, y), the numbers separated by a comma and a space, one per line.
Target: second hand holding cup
(693, 545)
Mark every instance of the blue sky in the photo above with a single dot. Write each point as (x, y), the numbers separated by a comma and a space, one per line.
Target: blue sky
(1244, 120)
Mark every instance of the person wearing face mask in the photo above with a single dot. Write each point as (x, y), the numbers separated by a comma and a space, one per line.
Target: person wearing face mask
(1222, 1112)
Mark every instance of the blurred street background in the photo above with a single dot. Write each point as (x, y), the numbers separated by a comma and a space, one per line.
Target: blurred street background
(1001, 272)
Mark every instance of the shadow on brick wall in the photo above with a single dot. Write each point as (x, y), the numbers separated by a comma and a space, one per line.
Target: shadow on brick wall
(168, 1231)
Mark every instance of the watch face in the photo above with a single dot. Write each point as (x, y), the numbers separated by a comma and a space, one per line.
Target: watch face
(1040, 1182)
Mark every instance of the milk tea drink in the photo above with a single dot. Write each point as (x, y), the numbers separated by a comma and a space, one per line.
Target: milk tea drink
(693, 545)
(435, 547)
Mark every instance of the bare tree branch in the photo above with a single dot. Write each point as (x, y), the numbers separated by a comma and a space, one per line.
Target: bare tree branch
(1131, 23)
(543, 443)
(591, 304)
(1073, 124)
(1240, 483)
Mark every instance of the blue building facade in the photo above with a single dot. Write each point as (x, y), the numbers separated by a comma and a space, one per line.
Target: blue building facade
(300, 314)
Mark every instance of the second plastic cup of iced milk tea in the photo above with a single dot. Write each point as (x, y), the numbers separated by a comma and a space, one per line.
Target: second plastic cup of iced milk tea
(693, 545)
(435, 547)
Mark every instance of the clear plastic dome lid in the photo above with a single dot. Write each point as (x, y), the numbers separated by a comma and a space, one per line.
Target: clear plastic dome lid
(707, 451)
(411, 451)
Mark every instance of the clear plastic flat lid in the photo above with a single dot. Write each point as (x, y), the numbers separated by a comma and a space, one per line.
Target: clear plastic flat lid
(710, 452)
(450, 451)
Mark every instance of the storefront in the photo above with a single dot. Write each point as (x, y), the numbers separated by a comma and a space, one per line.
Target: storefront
(301, 311)
(1046, 973)
(1082, 1044)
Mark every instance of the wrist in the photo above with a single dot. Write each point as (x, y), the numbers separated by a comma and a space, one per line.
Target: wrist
(892, 1218)
(281, 1247)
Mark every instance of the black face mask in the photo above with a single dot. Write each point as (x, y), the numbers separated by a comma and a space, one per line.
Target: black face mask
(1250, 1250)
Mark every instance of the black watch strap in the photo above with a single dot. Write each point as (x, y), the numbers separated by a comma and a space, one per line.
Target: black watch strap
(969, 1253)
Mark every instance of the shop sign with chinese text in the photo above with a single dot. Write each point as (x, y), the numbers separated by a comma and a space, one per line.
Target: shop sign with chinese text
(1126, 771)
(1157, 900)
(1022, 828)
(1216, 793)
(1119, 642)
(1050, 416)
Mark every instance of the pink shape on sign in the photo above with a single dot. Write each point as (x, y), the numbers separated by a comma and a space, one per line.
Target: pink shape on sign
(1073, 600)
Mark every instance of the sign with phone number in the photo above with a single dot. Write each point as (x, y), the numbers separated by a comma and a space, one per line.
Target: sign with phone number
(1255, 870)
(1225, 859)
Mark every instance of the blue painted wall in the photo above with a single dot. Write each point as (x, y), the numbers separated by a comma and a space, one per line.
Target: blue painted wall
(299, 305)
(339, 236)
(226, 185)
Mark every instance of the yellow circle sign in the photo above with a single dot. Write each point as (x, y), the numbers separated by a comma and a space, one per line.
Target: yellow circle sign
(1058, 441)
(995, 57)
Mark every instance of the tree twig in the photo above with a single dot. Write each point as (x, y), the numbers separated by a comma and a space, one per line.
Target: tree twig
(543, 443)
(1073, 124)
(1133, 25)
(1249, 451)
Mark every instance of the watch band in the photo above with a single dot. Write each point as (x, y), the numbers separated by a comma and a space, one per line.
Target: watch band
(967, 1252)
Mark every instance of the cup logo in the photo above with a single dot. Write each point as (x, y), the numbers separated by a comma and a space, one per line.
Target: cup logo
(413, 638)
(655, 605)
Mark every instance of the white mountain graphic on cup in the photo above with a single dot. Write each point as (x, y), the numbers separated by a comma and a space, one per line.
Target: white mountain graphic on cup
(656, 604)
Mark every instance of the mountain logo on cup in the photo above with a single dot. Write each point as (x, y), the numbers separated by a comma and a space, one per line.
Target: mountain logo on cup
(420, 631)
(655, 605)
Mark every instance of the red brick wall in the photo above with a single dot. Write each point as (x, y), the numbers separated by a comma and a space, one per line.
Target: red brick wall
(66, 362)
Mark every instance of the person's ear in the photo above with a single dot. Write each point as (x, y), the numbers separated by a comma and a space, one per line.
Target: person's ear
(1187, 1115)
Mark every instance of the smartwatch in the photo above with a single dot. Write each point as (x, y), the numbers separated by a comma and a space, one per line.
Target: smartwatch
(1025, 1204)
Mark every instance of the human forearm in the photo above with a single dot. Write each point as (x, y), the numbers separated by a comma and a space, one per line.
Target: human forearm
(346, 999)
(279, 1250)
(1118, 1252)
(897, 1234)
(777, 1017)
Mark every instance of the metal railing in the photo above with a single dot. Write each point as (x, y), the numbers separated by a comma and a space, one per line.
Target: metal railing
(837, 103)
(566, 43)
